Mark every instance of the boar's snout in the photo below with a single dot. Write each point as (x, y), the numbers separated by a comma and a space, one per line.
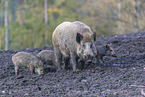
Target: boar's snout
(114, 55)
(39, 70)
(88, 57)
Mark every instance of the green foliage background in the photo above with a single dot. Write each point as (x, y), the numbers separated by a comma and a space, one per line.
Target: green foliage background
(100, 15)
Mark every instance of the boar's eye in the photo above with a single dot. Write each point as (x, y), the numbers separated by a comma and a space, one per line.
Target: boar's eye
(91, 45)
(84, 46)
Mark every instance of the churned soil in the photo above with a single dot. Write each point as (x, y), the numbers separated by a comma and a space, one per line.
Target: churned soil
(121, 76)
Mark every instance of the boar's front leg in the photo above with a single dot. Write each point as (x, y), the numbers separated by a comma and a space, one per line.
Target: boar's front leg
(58, 56)
(82, 65)
(67, 62)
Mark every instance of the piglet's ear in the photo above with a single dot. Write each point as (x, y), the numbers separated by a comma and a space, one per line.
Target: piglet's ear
(103, 44)
(94, 36)
(79, 37)
(107, 46)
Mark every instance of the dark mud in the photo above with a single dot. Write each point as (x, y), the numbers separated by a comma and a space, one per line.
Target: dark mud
(113, 79)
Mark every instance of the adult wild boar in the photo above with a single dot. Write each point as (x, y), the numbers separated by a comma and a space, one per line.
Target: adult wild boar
(23, 59)
(73, 40)
(104, 50)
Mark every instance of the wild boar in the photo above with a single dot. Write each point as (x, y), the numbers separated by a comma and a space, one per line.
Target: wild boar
(104, 50)
(73, 40)
(47, 57)
(26, 60)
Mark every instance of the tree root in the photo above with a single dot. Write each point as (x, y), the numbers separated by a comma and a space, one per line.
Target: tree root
(137, 86)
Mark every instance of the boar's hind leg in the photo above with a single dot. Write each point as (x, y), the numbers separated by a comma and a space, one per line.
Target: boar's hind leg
(67, 62)
(58, 55)
(82, 65)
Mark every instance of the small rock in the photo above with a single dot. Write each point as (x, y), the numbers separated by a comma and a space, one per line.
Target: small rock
(3, 91)
(26, 94)
(84, 81)
(39, 88)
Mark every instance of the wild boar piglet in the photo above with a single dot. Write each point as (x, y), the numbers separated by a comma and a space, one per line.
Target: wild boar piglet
(27, 60)
(47, 57)
(104, 50)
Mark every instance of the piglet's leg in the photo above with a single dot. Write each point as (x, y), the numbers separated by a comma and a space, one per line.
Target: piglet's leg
(99, 60)
(16, 70)
(32, 69)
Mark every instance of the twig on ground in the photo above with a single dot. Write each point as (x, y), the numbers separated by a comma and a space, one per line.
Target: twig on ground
(137, 86)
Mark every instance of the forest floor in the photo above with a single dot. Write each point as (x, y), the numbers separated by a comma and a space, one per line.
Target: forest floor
(115, 79)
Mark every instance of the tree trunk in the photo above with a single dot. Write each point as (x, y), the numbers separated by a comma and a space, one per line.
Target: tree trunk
(119, 16)
(46, 22)
(1, 13)
(6, 26)
(135, 16)
(20, 13)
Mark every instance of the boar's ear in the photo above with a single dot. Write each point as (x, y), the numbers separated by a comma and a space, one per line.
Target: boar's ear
(79, 37)
(94, 36)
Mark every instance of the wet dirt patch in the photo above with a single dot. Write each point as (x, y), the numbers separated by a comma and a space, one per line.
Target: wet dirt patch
(113, 79)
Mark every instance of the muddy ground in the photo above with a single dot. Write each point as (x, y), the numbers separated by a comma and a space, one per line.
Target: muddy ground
(113, 79)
